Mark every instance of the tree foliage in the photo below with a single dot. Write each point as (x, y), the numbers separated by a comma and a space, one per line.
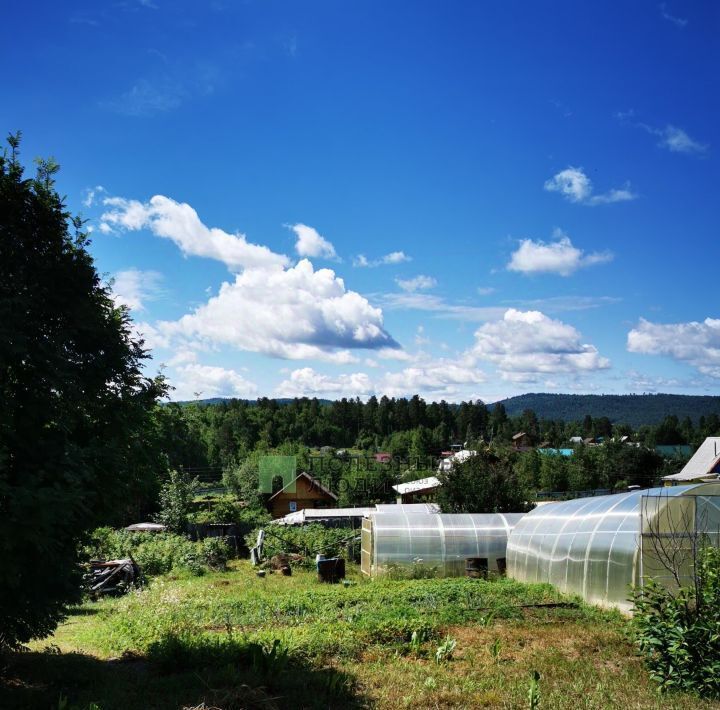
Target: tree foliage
(484, 483)
(678, 631)
(76, 422)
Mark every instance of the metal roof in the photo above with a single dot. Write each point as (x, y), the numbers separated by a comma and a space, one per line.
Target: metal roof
(421, 484)
(703, 464)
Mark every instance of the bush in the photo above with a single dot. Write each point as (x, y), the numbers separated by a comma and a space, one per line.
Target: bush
(307, 540)
(678, 633)
(227, 509)
(158, 553)
(176, 497)
(215, 552)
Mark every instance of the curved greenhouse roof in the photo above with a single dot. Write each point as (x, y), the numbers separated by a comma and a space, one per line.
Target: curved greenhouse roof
(598, 548)
(439, 542)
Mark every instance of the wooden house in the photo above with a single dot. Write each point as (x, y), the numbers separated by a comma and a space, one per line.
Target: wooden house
(304, 492)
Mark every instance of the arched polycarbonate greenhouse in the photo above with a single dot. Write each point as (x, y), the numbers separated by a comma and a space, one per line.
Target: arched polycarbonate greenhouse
(407, 508)
(600, 548)
(439, 543)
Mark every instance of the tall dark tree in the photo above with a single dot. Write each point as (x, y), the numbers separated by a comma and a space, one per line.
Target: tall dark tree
(484, 483)
(77, 415)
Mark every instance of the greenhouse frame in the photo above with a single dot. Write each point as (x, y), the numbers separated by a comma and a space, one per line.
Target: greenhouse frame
(435, 544)
(601, 548)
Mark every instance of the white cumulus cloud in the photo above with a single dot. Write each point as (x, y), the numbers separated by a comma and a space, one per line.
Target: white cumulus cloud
(271, 307)
(92, 194)
(417, 283)
(133, 287)
(195, 381)
(394, 257)
(437, 377)
(576, 186)
(311, 243)
(558, 257)
(525, 344)
(695, 343)
(433, 377)
(180, 223)
(307, 382)
(290, 313)
(678, 141)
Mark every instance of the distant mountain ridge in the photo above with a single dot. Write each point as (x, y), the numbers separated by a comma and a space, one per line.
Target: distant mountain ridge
(632, 409)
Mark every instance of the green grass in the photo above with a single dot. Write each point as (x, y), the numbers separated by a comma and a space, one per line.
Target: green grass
(187, 640)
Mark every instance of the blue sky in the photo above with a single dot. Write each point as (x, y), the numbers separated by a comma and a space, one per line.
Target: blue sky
(461, 200)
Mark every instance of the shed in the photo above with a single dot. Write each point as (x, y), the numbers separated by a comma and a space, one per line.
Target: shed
(438, 543)
(599, 548)
(302, 492)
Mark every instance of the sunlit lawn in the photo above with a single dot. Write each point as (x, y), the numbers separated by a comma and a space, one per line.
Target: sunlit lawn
(186, 641)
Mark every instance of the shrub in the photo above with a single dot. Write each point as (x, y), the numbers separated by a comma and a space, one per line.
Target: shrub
(215, 552)
(307, 540)
(417, 570)
(157, 553)
(228, 510)
(678, 633)
(176, 497)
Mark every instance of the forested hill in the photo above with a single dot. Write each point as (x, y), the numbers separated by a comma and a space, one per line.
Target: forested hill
(633, 409)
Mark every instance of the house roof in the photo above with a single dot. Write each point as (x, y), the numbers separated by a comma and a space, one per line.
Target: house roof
(458, 457)
(421, 484)
(704, 462)
(519, 435)
(312, 480)
(556, 452)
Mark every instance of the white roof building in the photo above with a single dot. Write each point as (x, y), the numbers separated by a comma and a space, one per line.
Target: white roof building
(422, 484)
(457, 457)
(704, 465)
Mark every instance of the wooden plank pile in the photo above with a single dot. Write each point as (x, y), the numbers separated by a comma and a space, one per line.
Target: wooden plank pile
(112, 576)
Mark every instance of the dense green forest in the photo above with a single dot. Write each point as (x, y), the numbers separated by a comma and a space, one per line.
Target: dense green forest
(632, 409)
(202, 437)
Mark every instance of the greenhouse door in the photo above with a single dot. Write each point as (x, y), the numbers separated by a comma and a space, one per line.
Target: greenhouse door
(366, 547)
(670, 539)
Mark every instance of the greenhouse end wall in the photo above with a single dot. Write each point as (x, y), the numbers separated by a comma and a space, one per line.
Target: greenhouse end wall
(598, 548)
(417, 544)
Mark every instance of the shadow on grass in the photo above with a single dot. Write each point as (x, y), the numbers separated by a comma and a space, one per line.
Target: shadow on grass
(81, 611)
(176, 673)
